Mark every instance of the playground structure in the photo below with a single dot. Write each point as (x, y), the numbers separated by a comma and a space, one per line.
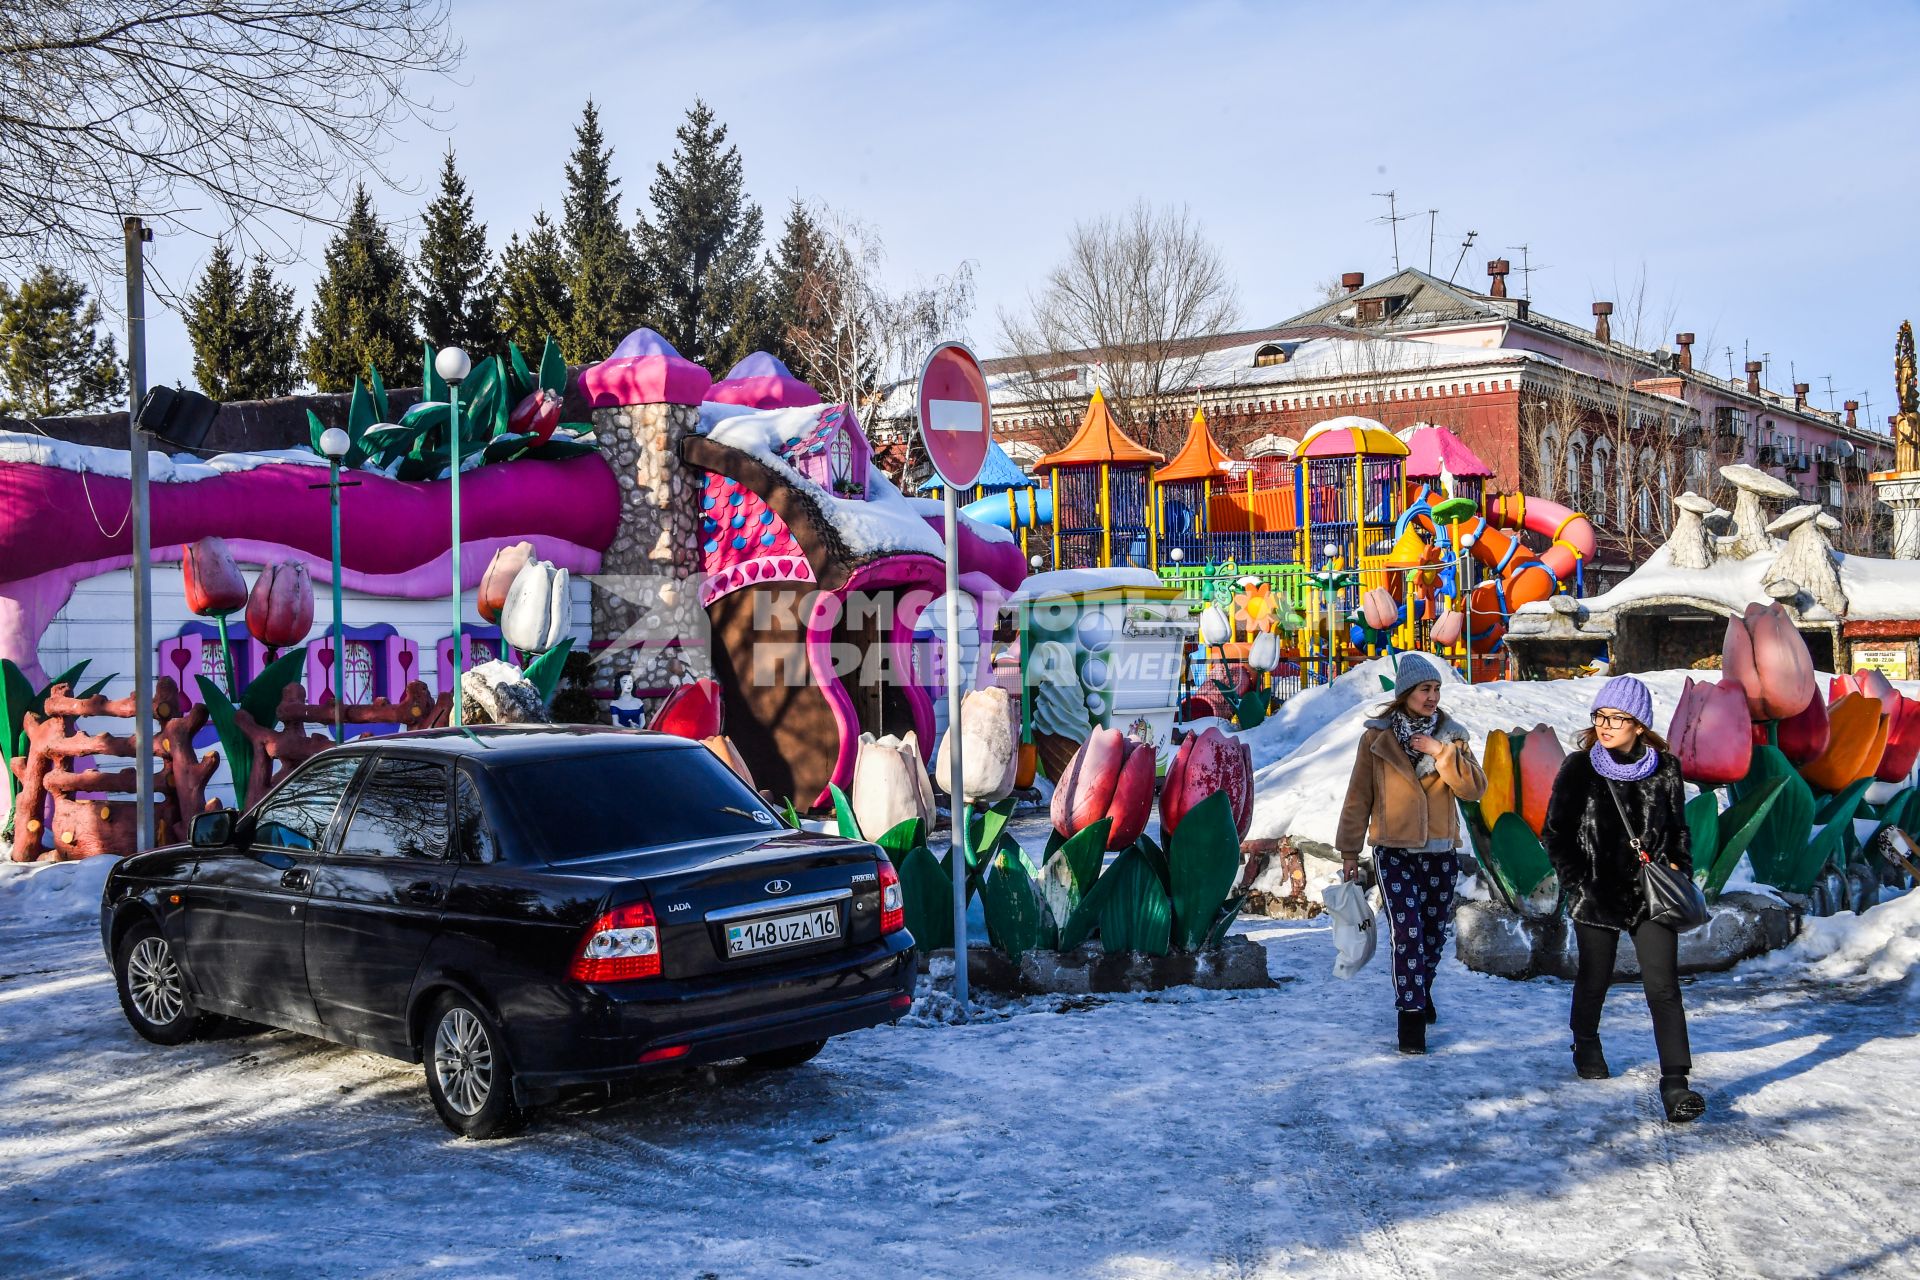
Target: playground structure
(1371, 542)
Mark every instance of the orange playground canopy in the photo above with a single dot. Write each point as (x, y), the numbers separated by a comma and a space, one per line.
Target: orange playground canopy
(1099, 440)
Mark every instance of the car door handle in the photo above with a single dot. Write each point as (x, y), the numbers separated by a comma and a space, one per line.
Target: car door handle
(423, 891)
(298, 879)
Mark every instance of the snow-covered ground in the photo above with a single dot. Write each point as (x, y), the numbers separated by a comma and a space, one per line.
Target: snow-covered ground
(1188, 1134)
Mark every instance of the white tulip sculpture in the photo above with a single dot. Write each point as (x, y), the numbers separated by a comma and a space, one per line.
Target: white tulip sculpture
(1215, 629)
(1264, 653)
(990, 737)
(539, 609)
(890, 785)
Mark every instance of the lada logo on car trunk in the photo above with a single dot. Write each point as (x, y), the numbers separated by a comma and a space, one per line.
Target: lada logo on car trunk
(778, 886)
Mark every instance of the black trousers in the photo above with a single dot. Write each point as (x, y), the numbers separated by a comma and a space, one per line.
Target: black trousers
(1658, 948)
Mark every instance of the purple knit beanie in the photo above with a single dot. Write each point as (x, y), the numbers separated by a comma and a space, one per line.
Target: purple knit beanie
(1624, 693)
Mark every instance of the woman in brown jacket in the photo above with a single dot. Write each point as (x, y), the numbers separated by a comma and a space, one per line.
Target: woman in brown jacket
(1414, 761)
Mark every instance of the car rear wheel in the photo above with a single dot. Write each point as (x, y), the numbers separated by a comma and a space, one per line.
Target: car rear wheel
(468, 1076)
(791, 1056)
(153, 994)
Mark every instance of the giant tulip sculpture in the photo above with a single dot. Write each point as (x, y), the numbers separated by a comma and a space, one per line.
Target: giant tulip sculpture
(501, 571)
(280, 607)
(1208, 762)
(1215, 629)
(890, 785)
(1766, 656)
(539, 608)
(1857, 741)
(989, 741)
(1713, 733)
(1111, 776)
(1903, 739)
(692, 711)
(215, 588)
(1802, 738)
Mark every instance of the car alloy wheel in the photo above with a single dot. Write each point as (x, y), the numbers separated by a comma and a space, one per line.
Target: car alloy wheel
(153, 982)
(463, 1061)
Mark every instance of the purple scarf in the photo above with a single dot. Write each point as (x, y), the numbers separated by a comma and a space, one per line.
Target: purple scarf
(1615, 770)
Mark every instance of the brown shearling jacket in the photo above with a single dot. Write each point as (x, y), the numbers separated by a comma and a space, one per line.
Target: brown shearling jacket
(1391, 805)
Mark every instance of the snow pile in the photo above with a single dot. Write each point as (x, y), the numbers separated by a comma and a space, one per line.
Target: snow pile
(1877, 590)
(53, 890)
(1304, 753)
(96, 460)
(1881, 946)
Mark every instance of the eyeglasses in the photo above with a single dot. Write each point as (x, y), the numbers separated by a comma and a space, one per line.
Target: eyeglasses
(1613, 722)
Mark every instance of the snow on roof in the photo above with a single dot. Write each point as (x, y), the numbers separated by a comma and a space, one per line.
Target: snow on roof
(88, 459)
(1877, 590)
(998, 472)
(1430, 450)
(1061, 582)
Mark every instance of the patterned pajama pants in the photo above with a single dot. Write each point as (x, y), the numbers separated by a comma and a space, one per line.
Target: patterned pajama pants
(1417, 889)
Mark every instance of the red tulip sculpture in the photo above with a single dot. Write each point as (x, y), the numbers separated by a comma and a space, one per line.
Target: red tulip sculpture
(505, 566)
(280, 607)
(692, 711)
(1903, 738)
(1803, 738)
(1208, 762)
(1712, 733)
(1111, 776)
(215, 588)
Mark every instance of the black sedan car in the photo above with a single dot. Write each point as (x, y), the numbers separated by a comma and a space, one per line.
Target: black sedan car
(524, 909)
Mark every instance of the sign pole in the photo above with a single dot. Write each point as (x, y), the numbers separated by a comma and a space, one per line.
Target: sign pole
(137, 236)
(956, 788)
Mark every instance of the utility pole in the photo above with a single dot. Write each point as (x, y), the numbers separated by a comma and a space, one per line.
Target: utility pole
(137, 235)
(1464, 246)
(1393, 219)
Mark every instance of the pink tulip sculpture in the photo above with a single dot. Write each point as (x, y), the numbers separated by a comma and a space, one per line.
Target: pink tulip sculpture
(1111, 776)
(1903, 738)
(1765, 655)
(215, 588)
(1802, 738)
(1712, 733)
(1207, 762)
(280, 607)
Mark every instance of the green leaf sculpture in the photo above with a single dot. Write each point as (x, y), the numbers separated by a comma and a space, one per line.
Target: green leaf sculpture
(1735, 831)
(1078, 861)
(900, 840)
(1135, 914)
(381, 410)
(1017, 918)
(926, 893)
(985, 828)
(1835, 821)
(1480, 840)
(1783, 834)
(553, 369)
(235, 744)
(361, 418)
(262, 698)
(1519, 861)
(1703, 827)
(843, 814)
(432, 385)
(519, 378)
(1203, 860)
(543, 673)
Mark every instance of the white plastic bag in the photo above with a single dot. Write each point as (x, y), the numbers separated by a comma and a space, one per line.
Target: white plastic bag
(1354, 934)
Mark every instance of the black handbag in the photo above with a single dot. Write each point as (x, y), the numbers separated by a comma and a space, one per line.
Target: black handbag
(1673, 899)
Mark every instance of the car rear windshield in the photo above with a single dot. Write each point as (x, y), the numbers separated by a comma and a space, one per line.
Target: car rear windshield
(588, 806)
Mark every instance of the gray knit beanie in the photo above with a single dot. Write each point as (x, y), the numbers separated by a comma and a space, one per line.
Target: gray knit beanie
(1414, 669)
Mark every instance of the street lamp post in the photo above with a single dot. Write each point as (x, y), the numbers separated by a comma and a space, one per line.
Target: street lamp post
(336, 444)
(454, 365)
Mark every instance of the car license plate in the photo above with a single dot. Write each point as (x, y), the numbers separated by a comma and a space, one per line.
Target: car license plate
(783, 931)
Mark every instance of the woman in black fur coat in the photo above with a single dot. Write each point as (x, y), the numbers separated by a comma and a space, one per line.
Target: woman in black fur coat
(1622, 783)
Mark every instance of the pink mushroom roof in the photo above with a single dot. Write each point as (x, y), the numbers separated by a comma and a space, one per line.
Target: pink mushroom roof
(761, 381)
(644, 369)
(1430, 449)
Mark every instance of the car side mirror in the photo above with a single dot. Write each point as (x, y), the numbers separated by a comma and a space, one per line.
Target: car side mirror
(212, 830)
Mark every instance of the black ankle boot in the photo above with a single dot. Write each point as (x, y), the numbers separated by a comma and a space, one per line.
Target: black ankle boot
(1588, 1060)
(1681, 1102)
(1413, 1031)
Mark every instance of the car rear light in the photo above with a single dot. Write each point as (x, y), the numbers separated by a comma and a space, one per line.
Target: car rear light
(622, 944)
(666, 1053)
(903, 1001)
(893, 906)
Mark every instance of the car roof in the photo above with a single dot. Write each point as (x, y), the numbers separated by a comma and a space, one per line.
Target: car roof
(501, 744)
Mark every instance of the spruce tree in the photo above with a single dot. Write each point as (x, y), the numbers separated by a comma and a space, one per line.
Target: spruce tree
(534, 302)
(702, 247)
(456, 287)
(603, 276)
(52, 359)
(798, 308)
(215, 326)
(362, 308)
(271, 325)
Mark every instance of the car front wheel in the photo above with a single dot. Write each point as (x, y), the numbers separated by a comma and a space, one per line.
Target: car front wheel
(468, 1076)
(153, 994)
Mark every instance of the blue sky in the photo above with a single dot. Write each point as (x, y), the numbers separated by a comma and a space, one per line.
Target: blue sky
(1753, 163)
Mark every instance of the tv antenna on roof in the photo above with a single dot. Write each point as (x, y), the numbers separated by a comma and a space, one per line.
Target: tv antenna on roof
(1464, 246)
(1526, 270)
(1393, 219)
(1828, 379)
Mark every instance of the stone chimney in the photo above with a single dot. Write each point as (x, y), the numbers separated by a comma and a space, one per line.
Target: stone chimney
(1852, 407)
(1602, 330)
(646, 399)
(1684, 341)
(1753, 375)
(1353, 281)
(1800, 390)
(1498, 269)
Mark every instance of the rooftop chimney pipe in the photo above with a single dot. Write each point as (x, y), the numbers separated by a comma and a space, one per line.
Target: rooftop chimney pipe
(1685, 342)
(1498, 269)
(1352, 281)
(1753, 375)
(1601, 329)
(1852, 407)
(1800, 390)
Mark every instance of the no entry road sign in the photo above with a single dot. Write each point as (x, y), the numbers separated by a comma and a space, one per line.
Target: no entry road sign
(955, 414)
